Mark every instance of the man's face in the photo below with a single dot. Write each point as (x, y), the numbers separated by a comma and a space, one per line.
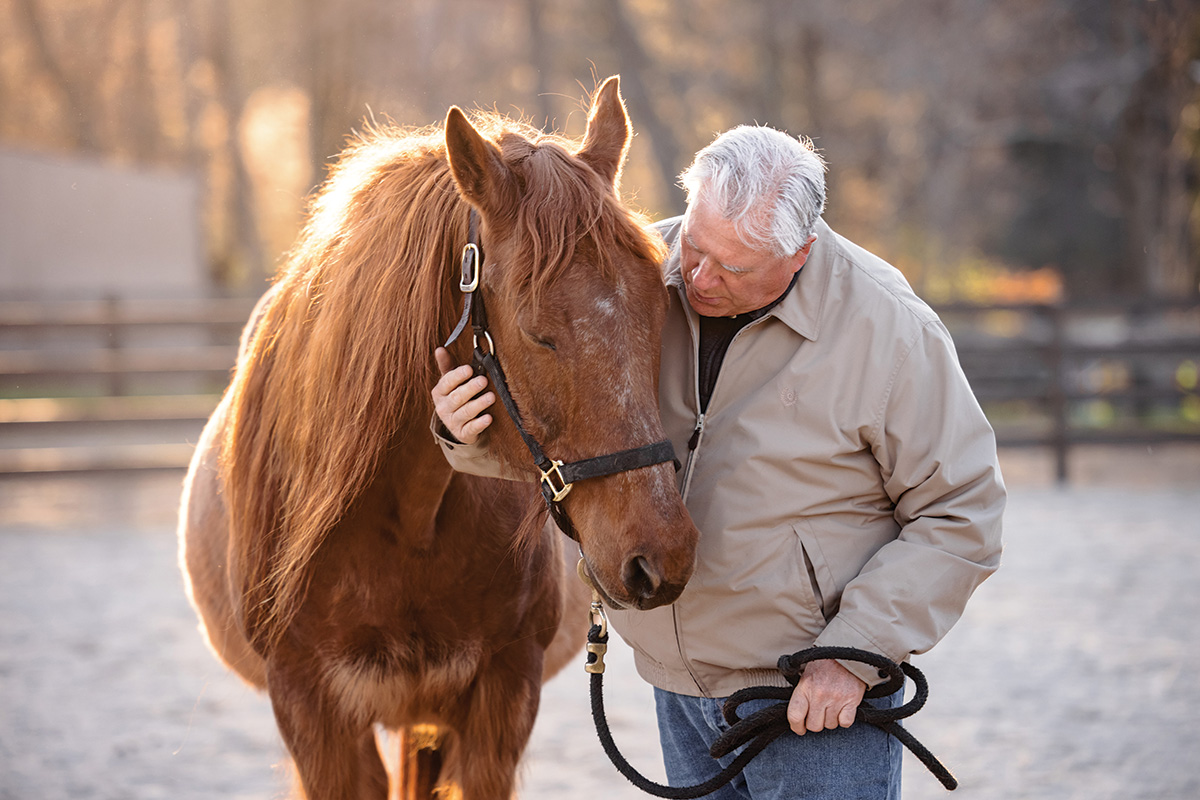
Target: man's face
(723, 276)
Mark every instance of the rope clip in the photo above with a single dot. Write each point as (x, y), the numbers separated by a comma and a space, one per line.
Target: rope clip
(597, 645)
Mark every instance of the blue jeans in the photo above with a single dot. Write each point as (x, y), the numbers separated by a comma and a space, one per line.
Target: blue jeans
(856, 763)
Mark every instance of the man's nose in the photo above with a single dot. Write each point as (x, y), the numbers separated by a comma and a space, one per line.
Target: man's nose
(704, 276)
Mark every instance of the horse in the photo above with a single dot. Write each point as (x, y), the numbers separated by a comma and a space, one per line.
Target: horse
(333, 557)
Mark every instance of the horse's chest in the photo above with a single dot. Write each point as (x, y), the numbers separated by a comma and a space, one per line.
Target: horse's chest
(400, 679)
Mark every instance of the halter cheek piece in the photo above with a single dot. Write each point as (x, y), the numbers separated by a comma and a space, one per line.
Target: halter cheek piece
(557, 477)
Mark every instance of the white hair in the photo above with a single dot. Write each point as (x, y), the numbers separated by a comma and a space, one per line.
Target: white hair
(770, 185)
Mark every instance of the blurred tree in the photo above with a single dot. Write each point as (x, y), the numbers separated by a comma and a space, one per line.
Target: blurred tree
(1156, 166)
(1018, 133)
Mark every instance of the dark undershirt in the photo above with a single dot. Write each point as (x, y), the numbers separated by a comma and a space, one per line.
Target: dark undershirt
(715, 335)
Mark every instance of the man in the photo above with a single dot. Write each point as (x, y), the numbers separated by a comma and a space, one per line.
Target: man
(842, 476)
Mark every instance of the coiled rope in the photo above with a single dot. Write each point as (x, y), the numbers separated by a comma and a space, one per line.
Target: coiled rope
(762, 727)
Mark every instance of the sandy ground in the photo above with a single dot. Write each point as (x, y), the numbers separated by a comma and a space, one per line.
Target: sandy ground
(1069, 676)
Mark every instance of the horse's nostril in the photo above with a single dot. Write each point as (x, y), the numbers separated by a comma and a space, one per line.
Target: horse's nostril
(640, 577)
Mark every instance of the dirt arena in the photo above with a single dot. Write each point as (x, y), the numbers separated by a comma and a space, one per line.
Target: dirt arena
(1067, 678)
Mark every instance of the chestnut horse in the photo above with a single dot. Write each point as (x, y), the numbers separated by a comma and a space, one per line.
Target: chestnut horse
(332, 555)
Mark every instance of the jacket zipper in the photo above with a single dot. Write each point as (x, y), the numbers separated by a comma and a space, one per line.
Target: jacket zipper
(692, 445)
(698, 432)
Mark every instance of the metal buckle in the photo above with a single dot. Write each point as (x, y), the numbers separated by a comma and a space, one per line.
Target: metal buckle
(469, 281)
(547, 479)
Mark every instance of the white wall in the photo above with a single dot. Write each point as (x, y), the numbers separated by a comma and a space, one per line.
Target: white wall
(77, 228)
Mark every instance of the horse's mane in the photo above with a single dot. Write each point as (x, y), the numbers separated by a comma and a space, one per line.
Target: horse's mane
(341, 357)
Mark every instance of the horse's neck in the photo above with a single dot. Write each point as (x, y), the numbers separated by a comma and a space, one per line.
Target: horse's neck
(411, 482)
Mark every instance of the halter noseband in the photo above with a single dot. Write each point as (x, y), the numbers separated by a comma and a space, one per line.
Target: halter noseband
(557, 477)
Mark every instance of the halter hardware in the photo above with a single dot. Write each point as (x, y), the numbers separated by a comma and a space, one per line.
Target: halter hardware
(469, 281)
(557, 493)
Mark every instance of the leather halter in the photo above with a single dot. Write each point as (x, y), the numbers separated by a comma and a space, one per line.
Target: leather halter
(557, 478)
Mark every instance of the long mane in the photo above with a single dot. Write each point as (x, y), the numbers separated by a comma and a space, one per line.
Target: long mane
(341, 356)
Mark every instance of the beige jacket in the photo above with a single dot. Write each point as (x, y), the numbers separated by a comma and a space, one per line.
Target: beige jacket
(844, 480)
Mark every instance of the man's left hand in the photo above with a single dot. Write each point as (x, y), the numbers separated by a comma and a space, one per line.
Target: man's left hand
(826, 697)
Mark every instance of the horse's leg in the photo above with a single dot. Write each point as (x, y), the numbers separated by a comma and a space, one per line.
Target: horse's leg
(497, 725)
(419, 761)
(336, 758)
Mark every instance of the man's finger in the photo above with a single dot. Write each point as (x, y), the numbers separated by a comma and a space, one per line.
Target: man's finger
(797, 713)
(816, 719)
(846, 718)
(470, 410)
(475, 427)
(468, 389)
(444, 362)
(832, 717)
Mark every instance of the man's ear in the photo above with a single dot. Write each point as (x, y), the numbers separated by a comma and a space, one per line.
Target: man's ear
(479, 171)
(802, 254)
(607, 139)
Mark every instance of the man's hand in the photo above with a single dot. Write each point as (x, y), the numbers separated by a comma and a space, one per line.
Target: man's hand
(455, 402)
(826, 697)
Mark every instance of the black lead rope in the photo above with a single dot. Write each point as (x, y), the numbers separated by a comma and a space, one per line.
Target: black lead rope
(759, 729)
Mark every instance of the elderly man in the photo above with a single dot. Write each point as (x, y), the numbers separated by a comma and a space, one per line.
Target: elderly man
(841, 474)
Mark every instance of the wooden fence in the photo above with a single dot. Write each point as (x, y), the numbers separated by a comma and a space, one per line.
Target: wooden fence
(1060, 376)
(111, 385)
(108, 385)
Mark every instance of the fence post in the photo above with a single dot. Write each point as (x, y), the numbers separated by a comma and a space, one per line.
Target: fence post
(1058, 390)
(116, 378)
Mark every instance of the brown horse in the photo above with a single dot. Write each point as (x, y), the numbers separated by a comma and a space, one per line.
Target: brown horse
(333, 556)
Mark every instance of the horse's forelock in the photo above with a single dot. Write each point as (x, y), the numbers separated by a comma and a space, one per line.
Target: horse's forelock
(564, 201)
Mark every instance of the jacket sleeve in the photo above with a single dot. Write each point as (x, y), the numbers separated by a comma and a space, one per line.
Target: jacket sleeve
(937, 458)
(473, 459)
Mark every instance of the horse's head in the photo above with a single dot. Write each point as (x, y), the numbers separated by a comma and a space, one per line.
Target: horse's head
(575, 305)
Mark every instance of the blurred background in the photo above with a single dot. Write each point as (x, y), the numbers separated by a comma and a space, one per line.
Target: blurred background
(1010, 149)
(1032, 166)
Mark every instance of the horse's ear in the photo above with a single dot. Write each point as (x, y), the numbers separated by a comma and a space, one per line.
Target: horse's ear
(607, 137)
(481, 174)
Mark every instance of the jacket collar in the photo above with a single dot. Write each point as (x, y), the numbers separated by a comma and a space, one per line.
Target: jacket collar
(801, 309)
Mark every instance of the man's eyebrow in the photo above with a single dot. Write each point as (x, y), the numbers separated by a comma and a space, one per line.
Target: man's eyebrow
(692, 244)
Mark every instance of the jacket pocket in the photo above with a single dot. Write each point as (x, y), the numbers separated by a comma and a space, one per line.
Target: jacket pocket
(824, 588)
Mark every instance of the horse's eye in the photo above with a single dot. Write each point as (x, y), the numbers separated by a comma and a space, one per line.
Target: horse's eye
(540, 341)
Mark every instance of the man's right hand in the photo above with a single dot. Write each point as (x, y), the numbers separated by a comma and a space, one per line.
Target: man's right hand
(455, 401)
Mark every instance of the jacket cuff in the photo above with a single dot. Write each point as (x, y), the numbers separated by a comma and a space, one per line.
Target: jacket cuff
(473, 459)
(839, 633)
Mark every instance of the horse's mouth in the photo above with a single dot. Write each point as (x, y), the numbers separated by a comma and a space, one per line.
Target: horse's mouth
(587, 575)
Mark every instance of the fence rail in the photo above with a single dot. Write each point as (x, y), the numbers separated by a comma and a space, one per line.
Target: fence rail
(107, 385)
(1062, 376)
(104, 385)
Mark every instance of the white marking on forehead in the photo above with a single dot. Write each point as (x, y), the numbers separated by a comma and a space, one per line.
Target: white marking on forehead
(608, 333)
(606, 306)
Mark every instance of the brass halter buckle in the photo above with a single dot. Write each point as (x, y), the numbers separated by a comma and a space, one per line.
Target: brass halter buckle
(562, 489)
